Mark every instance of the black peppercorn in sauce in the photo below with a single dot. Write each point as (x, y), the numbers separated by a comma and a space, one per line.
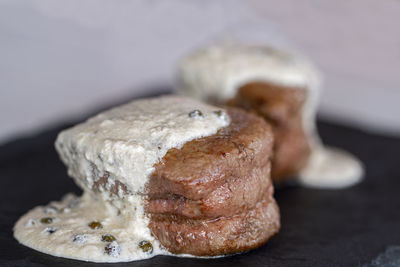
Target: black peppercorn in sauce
(146, 246)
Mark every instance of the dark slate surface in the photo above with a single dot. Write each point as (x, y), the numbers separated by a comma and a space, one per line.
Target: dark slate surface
(348, 227)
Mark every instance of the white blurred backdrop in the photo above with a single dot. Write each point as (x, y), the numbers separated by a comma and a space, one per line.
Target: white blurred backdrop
(61, 59)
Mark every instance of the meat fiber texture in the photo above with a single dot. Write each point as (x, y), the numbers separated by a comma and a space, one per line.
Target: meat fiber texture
(214, 195)
(282, 108)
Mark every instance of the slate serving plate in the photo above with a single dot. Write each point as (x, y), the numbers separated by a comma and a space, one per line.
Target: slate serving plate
(359, 226)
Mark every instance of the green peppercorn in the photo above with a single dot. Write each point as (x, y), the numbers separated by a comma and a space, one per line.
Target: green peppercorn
(95, 225)
(219, 113)
(108, 238)
(46, 220)
(146, 246)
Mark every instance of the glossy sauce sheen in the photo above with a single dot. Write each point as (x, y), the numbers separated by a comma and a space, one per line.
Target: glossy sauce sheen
(123, 143)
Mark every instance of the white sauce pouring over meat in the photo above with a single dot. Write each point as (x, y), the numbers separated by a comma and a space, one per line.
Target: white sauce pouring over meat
(217, 72)
(123, 143)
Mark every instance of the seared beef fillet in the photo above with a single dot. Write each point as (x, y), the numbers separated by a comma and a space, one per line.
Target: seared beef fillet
(230, 167)
(204, 164)
(234, 196)
(224, 235)
(282, 108)
(214, 196)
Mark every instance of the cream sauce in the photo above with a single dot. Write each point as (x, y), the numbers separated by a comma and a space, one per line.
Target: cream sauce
(65, 231)
(217, 72)
(124, 143)
(128, 140)
(331, 168)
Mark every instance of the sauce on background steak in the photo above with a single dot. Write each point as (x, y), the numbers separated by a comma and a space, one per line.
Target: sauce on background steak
(283, 87)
